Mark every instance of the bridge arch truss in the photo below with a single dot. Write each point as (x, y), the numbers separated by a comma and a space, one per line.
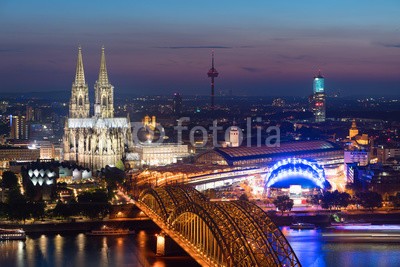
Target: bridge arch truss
(235, 233)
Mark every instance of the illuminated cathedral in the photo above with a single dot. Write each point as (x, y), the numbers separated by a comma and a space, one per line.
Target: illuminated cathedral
(97, 140)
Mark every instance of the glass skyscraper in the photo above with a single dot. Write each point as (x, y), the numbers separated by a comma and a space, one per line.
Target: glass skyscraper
(318, 103)
(318, 84)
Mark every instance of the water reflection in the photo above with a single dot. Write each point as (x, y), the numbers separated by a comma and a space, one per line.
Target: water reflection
(20, 253)
(305, 245)
(313, 251)
(58, 255)
(82, 250)
(138, 250)
(80, 245)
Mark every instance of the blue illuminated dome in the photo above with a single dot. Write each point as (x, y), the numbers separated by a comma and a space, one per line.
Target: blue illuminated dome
(295, 171)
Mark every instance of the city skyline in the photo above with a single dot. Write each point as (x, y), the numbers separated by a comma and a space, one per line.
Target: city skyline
(199, 133)
(165, 47)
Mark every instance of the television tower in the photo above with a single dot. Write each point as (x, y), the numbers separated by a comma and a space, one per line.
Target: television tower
(212, 73)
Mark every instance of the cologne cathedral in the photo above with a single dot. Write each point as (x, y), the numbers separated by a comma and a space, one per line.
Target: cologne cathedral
(97, 140)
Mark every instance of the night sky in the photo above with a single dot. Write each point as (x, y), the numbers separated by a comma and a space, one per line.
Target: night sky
(159, 47)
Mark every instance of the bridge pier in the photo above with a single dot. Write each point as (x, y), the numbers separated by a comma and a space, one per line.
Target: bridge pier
(166, 246)
(160, 245)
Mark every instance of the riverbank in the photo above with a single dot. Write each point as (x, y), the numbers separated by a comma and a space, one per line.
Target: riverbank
(144, 223)
(81, 226)
(325, 219)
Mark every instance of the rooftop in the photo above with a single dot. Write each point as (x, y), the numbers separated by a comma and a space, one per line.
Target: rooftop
(303, 146)
(98, 123)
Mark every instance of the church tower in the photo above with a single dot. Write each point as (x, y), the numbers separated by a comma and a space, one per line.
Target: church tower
(104, 92)
(79, 106)
(353, 130)
(100, 140)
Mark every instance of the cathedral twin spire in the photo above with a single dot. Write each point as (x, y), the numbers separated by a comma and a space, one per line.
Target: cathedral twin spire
(80, 73)
(79, 106)
(103, 76)
(104, 92)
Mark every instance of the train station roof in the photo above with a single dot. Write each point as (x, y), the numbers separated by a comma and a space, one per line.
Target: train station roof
(290, 149)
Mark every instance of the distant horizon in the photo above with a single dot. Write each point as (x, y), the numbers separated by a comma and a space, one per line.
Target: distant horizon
(133, 94)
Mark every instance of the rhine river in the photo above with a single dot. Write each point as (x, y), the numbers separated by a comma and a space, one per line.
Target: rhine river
(138, 250)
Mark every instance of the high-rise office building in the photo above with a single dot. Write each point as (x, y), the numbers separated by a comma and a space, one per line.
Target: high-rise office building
(177, 104)
(30, 113)
(18, 127)
(318, 99)
(234, 137)
(38, 115)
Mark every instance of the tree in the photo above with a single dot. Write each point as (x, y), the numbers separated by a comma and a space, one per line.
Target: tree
(343, 200)
(120, 165)
(3, 210)
(283, 203)
(66, 210)
(335, 200)
(396, 200)
(327, 201)
(73, 207)
(30, 191)
(61, 210)
(37, 209)
(113, 176)
(314, 199)
(9, 180)
(94, 204)
(18, 206)
(244, 197)
(369, 200)
(99, 196)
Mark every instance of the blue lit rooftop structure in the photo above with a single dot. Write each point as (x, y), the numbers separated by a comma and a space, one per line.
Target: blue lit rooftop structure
(318, 86)
(296, 171)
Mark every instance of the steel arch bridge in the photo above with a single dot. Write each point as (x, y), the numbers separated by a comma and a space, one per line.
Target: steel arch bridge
(234, 233)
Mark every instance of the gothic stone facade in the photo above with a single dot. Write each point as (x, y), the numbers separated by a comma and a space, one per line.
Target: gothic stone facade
(102, 139)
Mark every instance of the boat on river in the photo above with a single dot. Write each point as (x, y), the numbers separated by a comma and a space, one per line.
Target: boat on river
(12, 234)
(302, 226)
(363, 233)
(334, 224)
(106, 231)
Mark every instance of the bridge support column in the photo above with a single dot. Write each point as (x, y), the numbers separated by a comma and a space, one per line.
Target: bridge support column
(166, 246)
(160, 249)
